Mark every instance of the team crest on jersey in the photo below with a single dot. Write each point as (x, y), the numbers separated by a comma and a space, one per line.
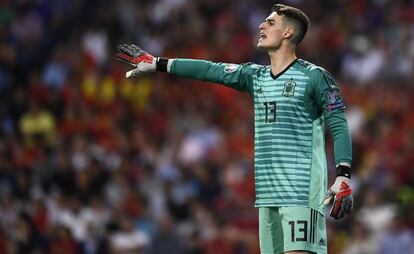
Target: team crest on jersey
(230, 68)
(289, 88)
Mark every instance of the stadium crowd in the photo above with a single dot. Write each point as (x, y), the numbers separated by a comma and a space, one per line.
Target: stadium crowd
(93, 163)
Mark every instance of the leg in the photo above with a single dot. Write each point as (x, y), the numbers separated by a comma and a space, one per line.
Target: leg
(270, 231)
(291, 230)
(304, 230)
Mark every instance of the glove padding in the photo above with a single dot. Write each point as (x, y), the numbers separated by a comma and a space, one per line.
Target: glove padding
(343, 200)
(137, 57)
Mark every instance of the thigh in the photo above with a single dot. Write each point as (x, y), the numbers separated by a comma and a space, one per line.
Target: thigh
(289, 229)
(270, 231)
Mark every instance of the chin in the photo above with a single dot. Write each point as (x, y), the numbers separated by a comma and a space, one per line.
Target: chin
(260, 46)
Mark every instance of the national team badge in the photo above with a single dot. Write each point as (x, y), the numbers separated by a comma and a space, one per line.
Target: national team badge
(289, 88)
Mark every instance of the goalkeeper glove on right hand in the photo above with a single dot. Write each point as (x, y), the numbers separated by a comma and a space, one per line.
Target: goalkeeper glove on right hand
(137, 57)
(342, 194)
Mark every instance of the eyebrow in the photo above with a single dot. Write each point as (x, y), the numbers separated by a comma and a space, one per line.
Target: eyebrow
(270, 20)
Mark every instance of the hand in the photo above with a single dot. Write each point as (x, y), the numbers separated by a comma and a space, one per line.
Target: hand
(342, 194)
(137, 57)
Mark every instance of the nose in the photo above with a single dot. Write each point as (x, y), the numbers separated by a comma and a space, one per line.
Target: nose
(262, 25)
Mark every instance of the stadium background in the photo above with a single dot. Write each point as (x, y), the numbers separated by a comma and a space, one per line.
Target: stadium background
(91, 162)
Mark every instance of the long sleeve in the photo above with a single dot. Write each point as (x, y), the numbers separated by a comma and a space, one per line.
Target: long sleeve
(237, 76)
(332, 107)
(338, 127)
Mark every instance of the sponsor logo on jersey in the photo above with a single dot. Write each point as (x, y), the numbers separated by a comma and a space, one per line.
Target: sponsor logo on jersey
(231, 68)
(289, 88)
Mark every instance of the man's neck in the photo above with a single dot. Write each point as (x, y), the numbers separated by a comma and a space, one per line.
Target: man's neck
(279, 60)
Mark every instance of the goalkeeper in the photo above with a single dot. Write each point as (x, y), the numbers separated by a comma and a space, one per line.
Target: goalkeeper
(293, 102)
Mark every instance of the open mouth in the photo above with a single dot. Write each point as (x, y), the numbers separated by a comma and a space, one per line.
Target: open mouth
(262, 36)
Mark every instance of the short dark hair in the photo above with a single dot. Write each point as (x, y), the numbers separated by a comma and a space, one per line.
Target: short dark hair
(297, 17)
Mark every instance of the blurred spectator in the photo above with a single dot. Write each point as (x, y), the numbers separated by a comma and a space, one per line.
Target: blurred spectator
(4, 243)
(28, 27)
(166, 240)
(92, 163)
(128, 239)
(360, 241)
(397, 238)
(374, 213)
(62, 241)
(95, 46)
(94, 242)
(364, 62)
(38, 126)
(56, 70)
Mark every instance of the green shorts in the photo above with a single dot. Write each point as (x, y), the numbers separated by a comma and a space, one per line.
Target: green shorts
(284, 229)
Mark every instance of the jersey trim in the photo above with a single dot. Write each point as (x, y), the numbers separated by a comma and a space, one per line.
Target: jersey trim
(283, 71)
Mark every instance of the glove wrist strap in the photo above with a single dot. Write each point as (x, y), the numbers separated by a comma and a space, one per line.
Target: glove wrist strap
(342, 170)
(161, 64)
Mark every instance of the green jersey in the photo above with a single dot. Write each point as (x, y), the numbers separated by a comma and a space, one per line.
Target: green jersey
(290, 111)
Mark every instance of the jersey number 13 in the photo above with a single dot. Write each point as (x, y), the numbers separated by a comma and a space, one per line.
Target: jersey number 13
(270, 111)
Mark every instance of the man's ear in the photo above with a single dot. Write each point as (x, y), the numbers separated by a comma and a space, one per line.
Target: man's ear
(289, 32)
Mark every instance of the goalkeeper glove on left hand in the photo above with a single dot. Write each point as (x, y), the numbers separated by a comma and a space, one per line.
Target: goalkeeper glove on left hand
(137, 57)
(342, 194)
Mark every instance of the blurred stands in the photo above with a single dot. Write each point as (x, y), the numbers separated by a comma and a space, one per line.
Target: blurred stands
(93, 163)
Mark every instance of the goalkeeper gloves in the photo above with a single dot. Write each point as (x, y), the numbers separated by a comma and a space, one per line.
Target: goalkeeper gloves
(141, 60)
(341, 192)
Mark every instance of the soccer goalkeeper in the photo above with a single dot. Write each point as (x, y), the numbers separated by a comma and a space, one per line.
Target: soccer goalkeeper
(293, 99)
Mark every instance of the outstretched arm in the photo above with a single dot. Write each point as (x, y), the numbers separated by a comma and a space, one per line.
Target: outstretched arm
(232, 75)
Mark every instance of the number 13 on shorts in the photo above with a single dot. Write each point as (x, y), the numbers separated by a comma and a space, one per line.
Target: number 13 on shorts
(284, 229)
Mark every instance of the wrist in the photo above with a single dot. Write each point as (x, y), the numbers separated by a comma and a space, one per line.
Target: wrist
(163, 64)
(343, 171)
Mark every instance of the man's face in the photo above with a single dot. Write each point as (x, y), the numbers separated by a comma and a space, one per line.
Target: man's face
(271, 32)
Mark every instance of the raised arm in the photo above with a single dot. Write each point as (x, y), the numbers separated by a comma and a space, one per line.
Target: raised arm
(232, 75)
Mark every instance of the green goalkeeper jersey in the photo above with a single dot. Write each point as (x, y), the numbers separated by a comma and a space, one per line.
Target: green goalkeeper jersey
(290, 111)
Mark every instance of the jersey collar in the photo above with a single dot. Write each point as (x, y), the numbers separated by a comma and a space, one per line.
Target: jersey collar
(283, 71)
